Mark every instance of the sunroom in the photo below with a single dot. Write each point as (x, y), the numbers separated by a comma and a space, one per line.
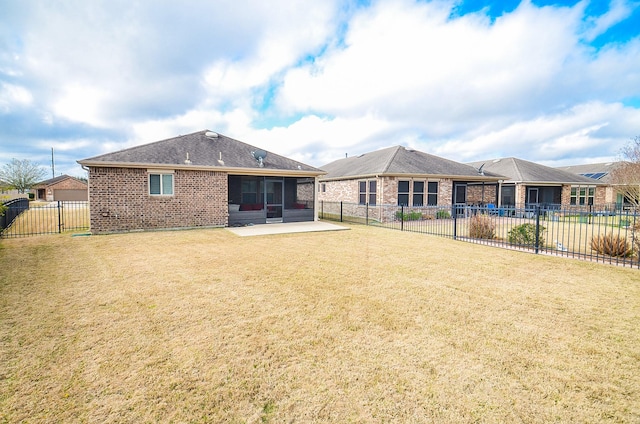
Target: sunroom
(270, 199)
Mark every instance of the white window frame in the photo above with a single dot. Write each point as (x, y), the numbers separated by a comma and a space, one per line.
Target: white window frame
(161, 173)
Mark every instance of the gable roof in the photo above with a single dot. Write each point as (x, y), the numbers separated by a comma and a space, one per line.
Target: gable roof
(597, 171)
(522, 171)
(202, 150)
(399, 161)
(56, 180)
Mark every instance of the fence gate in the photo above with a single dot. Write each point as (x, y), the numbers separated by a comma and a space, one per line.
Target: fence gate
(23, 218)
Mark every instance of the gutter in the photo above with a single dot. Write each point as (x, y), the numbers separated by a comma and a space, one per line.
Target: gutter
(186, 167)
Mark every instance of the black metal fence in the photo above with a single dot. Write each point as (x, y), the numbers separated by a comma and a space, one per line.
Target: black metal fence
(586, 232)
(23, 218)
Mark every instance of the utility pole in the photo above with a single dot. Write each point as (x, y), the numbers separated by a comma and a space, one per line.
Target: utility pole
(53, 166)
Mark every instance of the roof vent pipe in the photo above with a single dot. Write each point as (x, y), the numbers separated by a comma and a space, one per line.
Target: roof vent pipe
(211, 134)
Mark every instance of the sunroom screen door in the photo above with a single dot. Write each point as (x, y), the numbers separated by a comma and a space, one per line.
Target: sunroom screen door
(274, 193)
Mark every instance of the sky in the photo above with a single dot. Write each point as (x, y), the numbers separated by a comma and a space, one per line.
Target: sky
(554, 82)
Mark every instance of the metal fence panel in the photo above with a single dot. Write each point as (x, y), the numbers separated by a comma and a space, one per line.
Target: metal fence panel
(45, 218)
(586, 232)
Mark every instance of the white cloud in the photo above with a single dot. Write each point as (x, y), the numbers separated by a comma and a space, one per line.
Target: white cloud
(13, 96)
(411, 61)
(349, 77)
(317, 140)
(586, 129)
(596, 26)
(82, 104)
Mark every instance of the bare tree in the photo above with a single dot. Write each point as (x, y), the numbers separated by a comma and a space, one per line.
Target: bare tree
(21, 174)
(626, 176)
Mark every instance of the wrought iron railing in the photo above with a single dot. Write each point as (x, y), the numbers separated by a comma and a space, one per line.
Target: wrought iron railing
(602, 234)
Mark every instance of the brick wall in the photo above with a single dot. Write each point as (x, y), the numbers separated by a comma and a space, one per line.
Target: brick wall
(339, 191)
(120, 201)
(477, 193)
(387, 190)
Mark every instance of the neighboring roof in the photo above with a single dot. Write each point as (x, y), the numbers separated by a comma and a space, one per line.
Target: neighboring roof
(596, 171)
(202, 150)
(55, 180)
(519, 170)
(399, 161)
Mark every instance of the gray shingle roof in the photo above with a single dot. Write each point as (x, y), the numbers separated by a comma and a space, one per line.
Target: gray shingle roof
(398, 160)
(594, 168)
(204, 151)
(54, 180)
(519, 170)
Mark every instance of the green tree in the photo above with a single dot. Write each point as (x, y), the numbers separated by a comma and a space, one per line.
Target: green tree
(21, 175)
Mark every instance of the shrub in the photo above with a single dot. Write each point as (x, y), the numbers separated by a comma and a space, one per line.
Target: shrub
(482, 227)
(525, 234)
(408, 216)
(612, 245)
(443, 214)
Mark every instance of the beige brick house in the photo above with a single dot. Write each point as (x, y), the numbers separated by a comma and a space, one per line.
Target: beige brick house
(61, 188)
(531, 184)
(406, 177)
(600, 172)
(204, 179)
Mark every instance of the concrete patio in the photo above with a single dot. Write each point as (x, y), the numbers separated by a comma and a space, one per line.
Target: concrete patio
(281, 228)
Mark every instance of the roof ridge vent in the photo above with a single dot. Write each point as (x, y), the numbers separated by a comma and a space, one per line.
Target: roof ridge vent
(211, 134)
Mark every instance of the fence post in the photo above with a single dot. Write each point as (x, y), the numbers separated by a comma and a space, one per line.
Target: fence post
(366, 216)
(537, 228)
(340, 211)
(59, 217)
(455, 222)
(401, 217)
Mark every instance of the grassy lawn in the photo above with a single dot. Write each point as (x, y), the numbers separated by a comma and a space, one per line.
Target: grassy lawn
(366, 325)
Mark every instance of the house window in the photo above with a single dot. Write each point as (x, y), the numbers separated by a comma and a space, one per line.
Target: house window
(367, 191)
(582, 195)
(161, 184)
(418, 193)
(372, 192)
(432, 193)
(403, 193)
(362, 196)
(251, 191)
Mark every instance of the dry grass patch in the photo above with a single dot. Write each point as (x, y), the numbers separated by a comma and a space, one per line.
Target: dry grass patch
(366, 325)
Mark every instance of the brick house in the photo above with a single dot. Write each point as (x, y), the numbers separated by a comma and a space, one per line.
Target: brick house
(204, 179)
(601, 172)
(401, 176)
(530, 184)
(61, 188)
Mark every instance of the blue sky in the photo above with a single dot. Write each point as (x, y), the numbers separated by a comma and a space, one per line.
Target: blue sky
(553, 82)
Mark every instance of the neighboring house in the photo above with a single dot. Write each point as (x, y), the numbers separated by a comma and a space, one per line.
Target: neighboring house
(7, 193)
(61, 188)
(406, 177)
(600, 172)
(202, 179)
(530, 184)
